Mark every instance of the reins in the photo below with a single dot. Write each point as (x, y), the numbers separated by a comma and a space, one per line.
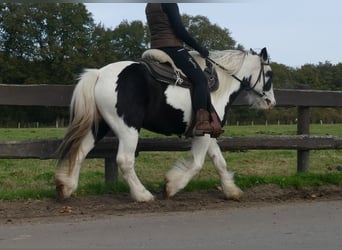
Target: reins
(245, 82)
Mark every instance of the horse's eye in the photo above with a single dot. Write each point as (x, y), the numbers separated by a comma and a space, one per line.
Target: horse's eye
(268, 83)
(269, 74)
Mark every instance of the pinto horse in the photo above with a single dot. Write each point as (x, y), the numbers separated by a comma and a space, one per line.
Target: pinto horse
(123, 97)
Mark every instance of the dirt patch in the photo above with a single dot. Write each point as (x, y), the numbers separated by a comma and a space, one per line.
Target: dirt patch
(87, 207)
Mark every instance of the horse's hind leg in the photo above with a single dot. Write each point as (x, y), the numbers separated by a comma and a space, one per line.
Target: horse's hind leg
(229, 188)
(180, 175)
(66, 177)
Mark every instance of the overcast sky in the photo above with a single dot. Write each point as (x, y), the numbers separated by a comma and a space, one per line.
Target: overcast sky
(295, 32)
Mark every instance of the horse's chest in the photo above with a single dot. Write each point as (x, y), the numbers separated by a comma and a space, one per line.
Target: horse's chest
(169, 113)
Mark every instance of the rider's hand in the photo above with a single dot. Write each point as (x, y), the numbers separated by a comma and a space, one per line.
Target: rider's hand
(204, 52)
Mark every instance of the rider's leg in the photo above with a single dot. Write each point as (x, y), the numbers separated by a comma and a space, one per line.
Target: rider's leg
(192, 70)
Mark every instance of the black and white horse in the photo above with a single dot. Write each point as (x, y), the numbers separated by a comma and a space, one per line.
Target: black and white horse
(124, 98)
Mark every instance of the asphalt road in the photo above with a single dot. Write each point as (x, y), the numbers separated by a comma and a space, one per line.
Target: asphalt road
(303, 225)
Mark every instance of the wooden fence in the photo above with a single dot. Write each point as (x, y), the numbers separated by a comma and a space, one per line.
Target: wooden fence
(60, 95)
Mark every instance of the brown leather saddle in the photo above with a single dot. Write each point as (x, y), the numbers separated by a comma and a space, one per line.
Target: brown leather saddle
(165, 73)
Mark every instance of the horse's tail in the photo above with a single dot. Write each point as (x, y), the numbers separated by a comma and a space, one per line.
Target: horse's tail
(83, 116)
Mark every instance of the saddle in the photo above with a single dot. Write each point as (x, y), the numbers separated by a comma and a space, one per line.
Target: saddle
(162, 68)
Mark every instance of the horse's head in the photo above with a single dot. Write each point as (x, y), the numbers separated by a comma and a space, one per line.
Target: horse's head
(256, 79)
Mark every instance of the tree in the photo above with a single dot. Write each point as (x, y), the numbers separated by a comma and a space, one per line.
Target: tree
(102, 50)
(51, 40)
(130, 40)
(43, 44)
(208, 34)
(308, 75)
(283, 76)
(337, 82)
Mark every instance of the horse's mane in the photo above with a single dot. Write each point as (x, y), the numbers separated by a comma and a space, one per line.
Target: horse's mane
(231, 60)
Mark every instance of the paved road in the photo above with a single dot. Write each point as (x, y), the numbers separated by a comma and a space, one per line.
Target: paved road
(310, 225)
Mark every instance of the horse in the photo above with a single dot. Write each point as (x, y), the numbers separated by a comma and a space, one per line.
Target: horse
(123, 97)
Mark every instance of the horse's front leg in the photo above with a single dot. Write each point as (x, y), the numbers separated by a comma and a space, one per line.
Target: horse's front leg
(229, 188)
(184, 170)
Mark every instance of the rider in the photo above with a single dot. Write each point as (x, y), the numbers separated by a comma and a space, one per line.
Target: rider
(169, 35)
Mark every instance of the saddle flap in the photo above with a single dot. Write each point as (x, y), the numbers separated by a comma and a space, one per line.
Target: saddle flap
(163, 72)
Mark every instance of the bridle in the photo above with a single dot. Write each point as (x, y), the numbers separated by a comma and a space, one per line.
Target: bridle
(246, 82)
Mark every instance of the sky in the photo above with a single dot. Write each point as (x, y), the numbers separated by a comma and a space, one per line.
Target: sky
(295, 32)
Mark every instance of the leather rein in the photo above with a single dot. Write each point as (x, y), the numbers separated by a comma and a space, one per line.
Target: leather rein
(246, 82)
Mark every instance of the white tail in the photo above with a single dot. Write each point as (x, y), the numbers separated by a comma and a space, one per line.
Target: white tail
(83, 116)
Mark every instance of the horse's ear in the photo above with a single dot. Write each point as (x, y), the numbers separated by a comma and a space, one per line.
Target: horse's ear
(264, 55)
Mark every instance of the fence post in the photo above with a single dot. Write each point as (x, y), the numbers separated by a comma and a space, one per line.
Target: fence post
(303, 128)
(111, 170)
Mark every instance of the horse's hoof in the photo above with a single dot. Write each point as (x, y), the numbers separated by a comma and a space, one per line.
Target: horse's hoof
(145, 199)
(59, 192)
(165, 192)
(143, 196)
(236, 196)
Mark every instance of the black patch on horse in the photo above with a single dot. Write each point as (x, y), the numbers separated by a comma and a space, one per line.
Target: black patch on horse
(100, 131)
(142, 102)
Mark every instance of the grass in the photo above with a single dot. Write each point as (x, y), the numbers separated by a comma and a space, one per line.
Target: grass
(7, 134)
(232, 130)
(35, 178)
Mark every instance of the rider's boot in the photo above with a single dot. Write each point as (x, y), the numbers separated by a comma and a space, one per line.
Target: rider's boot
(202, 125)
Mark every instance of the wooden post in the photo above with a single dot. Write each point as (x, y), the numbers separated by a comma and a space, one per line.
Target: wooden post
(111, 170)
(303, 128)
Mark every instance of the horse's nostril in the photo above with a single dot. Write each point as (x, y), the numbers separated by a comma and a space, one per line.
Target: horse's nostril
(268, 101)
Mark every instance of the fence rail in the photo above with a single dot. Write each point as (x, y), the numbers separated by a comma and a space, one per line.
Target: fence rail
(60, 96)
(46, 148)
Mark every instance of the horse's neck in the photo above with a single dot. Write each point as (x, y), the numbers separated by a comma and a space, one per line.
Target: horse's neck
(221, 97)
(232, 62)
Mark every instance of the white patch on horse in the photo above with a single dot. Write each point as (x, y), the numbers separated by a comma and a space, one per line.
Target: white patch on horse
(179, 98)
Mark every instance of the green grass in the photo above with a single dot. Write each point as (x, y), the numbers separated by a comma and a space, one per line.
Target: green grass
(315, 129)
(8, 134)
(232, 130)
(35, 178)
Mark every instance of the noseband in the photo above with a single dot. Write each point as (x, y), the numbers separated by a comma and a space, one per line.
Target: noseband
(246, 82)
